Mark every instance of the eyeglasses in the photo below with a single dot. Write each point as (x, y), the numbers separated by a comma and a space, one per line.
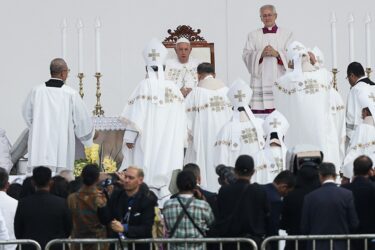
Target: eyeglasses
(267, 15)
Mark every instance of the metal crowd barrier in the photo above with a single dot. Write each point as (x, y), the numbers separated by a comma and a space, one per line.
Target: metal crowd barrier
(157, 244)
(19, 243)
(314, 238)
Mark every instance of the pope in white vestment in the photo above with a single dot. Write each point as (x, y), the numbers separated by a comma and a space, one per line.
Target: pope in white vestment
(270, 161)
(303, 96)
(55, 115)
(208, 109)
(182, 69)
(155, 122)
(363, 138)
(243, 134)
(264, 55)
(359, 84)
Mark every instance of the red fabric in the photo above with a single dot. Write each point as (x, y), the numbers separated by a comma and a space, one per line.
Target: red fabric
(267, 31)
(265, 111)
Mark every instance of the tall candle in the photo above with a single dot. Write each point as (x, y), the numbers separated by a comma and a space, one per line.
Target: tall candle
(351, 37)
(63, 38)
(97, 44)
(333, 40)
(368, 40)
(80, 45)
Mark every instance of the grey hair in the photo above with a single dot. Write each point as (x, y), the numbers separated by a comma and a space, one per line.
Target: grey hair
(267, 6)
(57, 66)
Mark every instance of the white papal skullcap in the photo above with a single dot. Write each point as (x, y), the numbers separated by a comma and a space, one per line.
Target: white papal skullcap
(295, 49)
(240, 93)
(155, 53)
(182, 40)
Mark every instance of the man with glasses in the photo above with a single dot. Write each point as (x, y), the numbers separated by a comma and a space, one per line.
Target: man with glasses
(55, 115)
(265, 58)
(359, 84)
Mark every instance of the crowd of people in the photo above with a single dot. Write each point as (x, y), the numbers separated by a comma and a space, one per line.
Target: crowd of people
(181, 116)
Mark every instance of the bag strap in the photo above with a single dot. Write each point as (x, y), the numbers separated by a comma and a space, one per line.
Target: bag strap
(190, 218)
(179, 218)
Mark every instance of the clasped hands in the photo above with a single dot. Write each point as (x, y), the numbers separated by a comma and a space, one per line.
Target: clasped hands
(270, 51)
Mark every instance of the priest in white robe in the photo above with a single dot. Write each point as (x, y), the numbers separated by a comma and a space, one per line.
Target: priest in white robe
(336, 102)
(270, 161)
(363, 138)
(208, 109)
(155, 123)
(56, 115)
(183, 68)
(359, 84)
(265, 58)
(303, 96)
(243, 134)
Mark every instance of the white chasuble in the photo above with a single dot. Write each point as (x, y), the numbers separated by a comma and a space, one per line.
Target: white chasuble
(207, 111)
(362, 143)
(55, 116)
(227, 151)
(264, 74)
(183, 74)
(268, 163)
(157, 115)
(306, 105)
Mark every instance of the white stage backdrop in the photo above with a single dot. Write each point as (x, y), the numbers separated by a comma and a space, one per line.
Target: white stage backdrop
(31, 37)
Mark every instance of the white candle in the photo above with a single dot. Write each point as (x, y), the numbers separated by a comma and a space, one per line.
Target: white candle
(80, 45)
(333, 34)
(368, 40)
(351, 37)
(63, 38)
(97, 44)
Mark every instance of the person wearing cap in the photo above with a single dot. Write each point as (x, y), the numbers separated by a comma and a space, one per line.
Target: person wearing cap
(245, 202)
(359, 83)
(208, 109)
(264, 55)
(363, 138)
(270, 161)
(302, 95)
(336, 101)
(183, 69)
(243, 134)
(328, 210)
(155, 122)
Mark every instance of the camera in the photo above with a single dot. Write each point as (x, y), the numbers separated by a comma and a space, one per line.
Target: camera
(303, 155)
(111, 180)
(226, 175)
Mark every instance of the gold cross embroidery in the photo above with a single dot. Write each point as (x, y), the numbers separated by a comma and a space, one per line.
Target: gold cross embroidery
(249, 135)
(372, 97)
(279, 163)
(168, 96)
(239, 96)
(217, 103)
(275, 123)
(153, 54)
(311, 86)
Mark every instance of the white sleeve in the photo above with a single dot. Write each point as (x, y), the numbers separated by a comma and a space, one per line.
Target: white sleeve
(83, 126)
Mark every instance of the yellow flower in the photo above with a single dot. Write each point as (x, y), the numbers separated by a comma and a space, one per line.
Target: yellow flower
(109, 165)
(92, 153)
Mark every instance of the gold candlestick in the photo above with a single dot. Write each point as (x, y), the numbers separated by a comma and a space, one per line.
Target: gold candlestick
(81, 76)
(98, 107)
(368, 71)
(334, 72)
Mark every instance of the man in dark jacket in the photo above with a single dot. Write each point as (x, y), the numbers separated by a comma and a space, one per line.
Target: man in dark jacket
(243, 205)
(328, 210)
(130, 211)
(364, 198)
(42, 216)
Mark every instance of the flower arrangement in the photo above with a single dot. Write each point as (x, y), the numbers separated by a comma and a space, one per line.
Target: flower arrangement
(108, 164)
